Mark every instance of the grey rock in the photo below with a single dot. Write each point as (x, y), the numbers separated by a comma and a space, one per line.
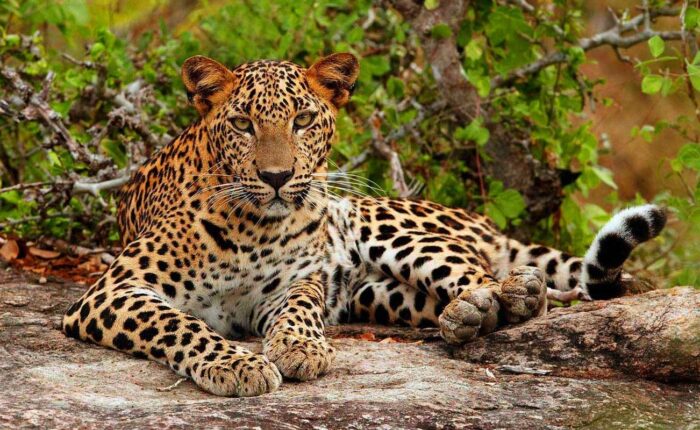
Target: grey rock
(50, 381)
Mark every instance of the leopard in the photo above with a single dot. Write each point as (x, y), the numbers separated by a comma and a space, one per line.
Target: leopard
(230, 231)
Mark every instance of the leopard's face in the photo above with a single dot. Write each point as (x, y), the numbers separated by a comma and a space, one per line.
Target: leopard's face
(271, 125)
(275, 134)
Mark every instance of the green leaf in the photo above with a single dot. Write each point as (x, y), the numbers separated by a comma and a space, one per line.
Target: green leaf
(510, 202)
(394, 87)
(376, 65)
(496, 215)
(474, 132)
(473, 50)
(647, 132)
(96, 49)
(689, 156)
(480, 81)
(54, 160)
(694, 76)
(656, 46)
(696, 59)
(441, 31)
(431, 4)
(504, 204)
(692, 18)
(12, 40)
(605, 175)
(651, 84)
(13, 197)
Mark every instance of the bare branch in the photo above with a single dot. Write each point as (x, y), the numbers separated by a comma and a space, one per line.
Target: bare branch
(356, 161)
(77, 186)
(94, 188)
(382, 148)
(25, 186)
(523, 5)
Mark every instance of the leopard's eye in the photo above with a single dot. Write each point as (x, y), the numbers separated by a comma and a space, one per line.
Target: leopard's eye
(303, 119)
(243, 124)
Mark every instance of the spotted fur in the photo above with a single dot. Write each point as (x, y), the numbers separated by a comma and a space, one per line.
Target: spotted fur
(229, 230)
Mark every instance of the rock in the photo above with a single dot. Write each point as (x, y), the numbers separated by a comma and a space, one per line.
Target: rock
(50, 381)
(654, 335)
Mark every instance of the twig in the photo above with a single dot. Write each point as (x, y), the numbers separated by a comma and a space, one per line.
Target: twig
(380, 146)
(356, 161)
(172, 386)
(24, 186)
(523, 5)
(480, 175)
(522, 370)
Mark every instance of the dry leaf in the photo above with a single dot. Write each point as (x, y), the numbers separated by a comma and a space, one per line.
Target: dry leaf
(10, 250)
(367, 336)
(36, 269)
(388, 340)
(43, 253)
(93, 265)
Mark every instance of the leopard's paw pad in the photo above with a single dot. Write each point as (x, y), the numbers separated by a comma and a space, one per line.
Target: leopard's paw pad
(523, 294)
(298, 358)
(240, 376)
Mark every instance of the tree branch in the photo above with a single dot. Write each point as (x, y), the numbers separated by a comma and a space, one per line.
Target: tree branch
(94, 188)
(35, 106)
(77, 186)
(614, 37)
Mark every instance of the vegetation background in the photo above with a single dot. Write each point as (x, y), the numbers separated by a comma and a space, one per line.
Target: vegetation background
(546, 115)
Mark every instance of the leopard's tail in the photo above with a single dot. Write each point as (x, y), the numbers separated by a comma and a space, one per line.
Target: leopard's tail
(602, 265)
(596, 276)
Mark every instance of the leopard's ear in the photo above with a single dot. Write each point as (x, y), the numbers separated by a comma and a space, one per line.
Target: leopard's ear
(333, 77)
(208, 82)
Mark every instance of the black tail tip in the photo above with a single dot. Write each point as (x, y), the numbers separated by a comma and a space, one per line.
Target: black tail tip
(606, 290)
(642, 223)
(659, 217)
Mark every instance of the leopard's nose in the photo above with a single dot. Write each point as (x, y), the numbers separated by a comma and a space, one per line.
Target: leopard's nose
(275, 179)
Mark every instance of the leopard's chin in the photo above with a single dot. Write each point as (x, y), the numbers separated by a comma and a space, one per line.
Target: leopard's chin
(277, 208)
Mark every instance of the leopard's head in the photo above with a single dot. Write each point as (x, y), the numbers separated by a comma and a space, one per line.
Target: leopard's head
(271, 124)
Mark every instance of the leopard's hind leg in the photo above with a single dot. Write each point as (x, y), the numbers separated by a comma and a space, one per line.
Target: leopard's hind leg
(477, 309)
(480, 309)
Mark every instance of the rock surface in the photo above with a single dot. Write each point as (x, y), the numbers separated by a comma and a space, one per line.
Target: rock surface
(50, 381)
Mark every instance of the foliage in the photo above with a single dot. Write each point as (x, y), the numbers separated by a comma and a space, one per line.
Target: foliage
(494, 39)
(674, 73)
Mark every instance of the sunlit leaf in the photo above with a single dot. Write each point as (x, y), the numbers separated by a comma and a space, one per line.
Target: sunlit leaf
(656, 45)
(651, 84)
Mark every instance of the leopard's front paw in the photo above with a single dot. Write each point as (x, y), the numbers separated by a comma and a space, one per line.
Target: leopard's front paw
(243, 375)
(523, 294)
(299, 358)
(471, 313)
